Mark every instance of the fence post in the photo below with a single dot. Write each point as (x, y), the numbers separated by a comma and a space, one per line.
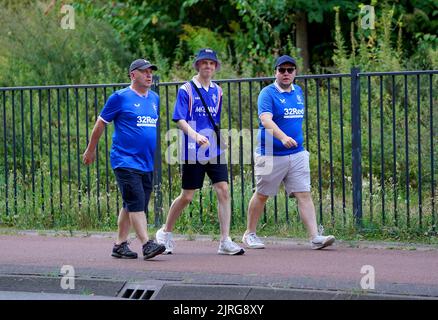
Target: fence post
(356, 145)
(158, 197)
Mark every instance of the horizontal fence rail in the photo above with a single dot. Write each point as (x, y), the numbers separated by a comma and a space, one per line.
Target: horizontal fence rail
(372, 139)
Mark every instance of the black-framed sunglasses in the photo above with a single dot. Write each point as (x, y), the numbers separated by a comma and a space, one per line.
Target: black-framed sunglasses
(289, 70)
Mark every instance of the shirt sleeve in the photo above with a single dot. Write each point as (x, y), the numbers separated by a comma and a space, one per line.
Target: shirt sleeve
(264, 103)
(181, 106)
(111, 109)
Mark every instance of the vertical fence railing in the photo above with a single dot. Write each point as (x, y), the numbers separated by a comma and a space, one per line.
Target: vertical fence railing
(400, 158)
(325, 120)
(5, 159)
(432, 150)
(43, 181)
(158, 205)
(356, 146)
(373, 163)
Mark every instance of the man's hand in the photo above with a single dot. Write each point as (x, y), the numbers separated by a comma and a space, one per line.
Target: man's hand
(90, 153)
(288, 142)
(89, 156)
(202, 140)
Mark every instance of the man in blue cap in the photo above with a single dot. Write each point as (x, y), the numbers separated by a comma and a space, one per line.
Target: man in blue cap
(197, 113)
(134, 111)
(280, 154)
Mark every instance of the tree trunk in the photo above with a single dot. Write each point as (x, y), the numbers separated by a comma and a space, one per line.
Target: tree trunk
(301, 29)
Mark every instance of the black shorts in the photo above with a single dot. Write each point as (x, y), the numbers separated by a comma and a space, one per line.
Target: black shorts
(193, 174)
(135, 187)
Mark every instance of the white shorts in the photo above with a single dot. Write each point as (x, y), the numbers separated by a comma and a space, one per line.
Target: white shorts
(293, 170)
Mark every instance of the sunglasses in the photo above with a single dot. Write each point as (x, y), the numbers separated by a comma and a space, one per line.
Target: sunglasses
(289, 70)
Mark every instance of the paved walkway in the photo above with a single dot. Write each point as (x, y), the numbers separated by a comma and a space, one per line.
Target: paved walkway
(284, 264)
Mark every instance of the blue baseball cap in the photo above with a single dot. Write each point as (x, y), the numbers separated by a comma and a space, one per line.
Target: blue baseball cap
(207, 54)
(284, 59)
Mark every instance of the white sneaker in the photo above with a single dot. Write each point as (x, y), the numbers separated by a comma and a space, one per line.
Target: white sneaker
(229, 247)
(252, 241)
(166, 239)
(320, 242)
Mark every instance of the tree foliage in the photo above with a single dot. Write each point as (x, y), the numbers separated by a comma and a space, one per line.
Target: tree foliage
(251, 31)
(248, 34)
(35, 50)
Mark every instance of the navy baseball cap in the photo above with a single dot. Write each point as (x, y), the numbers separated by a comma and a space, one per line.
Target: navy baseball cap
(207, 54)
(141, 64)
(285, 59)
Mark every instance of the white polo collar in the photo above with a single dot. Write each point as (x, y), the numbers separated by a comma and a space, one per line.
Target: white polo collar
(199, 85)
(280, 89)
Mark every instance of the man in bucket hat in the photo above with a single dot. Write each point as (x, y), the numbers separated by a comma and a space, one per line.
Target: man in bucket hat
(197, 113)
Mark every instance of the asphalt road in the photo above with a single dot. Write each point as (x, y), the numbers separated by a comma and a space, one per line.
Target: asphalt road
(406, 271)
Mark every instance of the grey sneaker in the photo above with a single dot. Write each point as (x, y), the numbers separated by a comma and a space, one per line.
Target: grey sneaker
(230, 248)
(166, 239)
(250, 240)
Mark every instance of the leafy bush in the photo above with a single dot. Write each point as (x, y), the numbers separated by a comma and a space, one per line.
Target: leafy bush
(376, 49)
(35, 50)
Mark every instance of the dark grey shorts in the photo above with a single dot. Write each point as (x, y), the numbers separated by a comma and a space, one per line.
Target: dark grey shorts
(135, 187)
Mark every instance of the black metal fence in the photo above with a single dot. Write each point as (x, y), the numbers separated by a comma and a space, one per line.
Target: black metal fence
(372, 139)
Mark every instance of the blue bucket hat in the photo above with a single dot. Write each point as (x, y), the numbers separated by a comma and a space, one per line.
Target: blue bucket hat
(285, 59)
(207, 54)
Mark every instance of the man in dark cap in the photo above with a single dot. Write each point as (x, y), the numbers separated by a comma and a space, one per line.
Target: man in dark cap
(135, 112)
(280, 154)
(197, 113)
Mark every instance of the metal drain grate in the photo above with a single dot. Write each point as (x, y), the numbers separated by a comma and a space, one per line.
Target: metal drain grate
(139, 294)
(141, 290)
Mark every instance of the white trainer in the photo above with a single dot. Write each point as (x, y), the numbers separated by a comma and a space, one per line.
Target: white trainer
(166, 239)
(230, 248)
(251, 241)
(320, 242)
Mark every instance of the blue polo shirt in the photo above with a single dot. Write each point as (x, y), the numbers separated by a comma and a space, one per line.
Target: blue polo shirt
(287, 109)
(189, 107)
(135, 121)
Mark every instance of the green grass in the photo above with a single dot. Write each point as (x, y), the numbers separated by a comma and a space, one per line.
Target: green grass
(82, 209)
(200, 217)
